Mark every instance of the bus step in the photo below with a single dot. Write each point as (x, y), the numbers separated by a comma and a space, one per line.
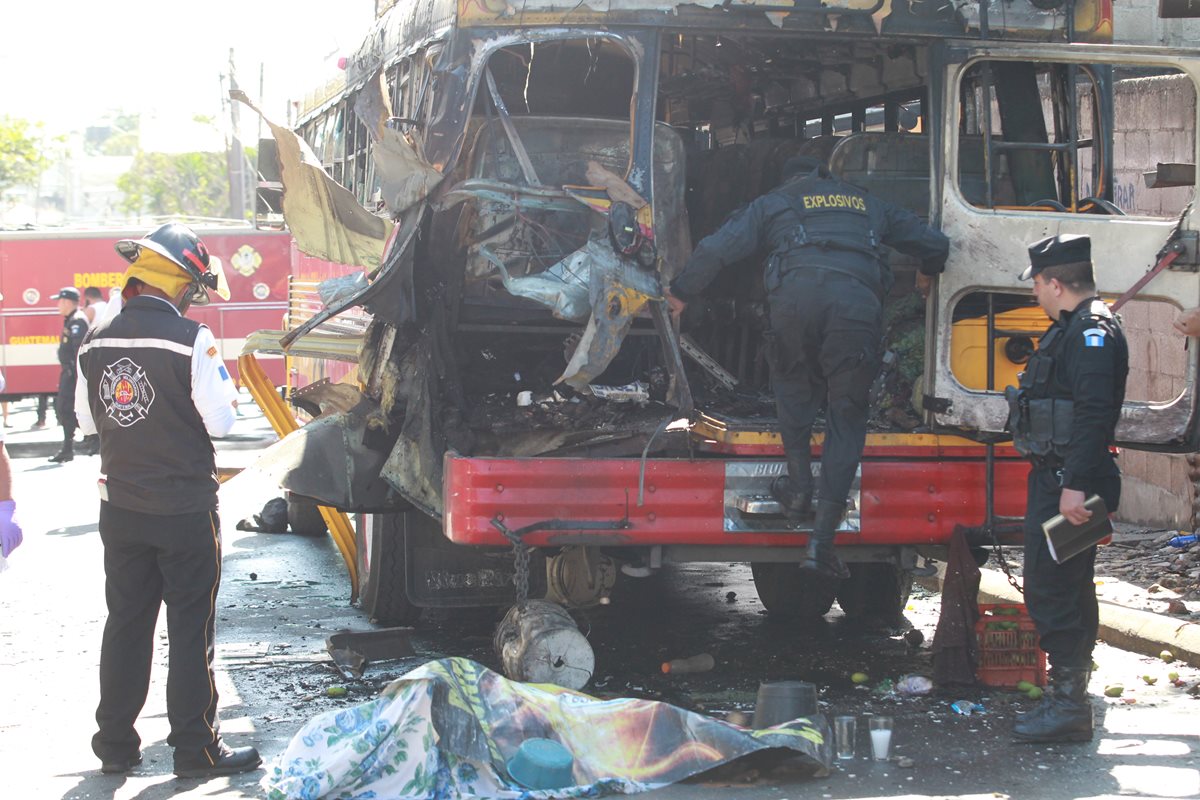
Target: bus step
(759, 505)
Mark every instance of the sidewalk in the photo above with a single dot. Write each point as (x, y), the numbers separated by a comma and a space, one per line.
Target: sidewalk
(1130, 629)
(250, 434)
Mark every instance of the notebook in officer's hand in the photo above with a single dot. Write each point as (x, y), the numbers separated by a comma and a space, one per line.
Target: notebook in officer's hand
(1066, 540)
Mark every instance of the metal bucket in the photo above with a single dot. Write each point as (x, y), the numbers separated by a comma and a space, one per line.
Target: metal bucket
(783, 701)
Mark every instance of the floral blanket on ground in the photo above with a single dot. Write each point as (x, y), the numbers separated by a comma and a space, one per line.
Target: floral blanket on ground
(448, 728)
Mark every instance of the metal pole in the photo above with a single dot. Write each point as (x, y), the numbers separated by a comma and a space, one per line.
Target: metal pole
(235, 157)
(989, 521)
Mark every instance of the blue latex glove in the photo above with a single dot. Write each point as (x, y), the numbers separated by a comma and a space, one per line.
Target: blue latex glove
(10, 531)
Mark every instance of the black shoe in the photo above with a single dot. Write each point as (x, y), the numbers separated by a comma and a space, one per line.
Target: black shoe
(821, 557)
(1064, 713)
(797, 506)
(119, 766)
(90, 445)
(63, 456)
(226, 761)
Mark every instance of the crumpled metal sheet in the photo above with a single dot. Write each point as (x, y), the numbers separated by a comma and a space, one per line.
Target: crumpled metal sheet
(326, 397)
(404, 177)
(352, 651)
(563, 288)
(414, 467)
(595, 284)
(328, 461)
(324, 218)
(617, 291)
(392, 284)
(336, 290)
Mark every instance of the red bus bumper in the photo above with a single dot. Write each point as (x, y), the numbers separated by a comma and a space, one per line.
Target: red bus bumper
(903, 500)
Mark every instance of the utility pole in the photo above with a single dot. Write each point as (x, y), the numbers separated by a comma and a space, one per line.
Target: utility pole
(235, 158)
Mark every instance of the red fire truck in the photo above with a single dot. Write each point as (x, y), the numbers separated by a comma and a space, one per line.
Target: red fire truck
(35, 264)
(575, 155)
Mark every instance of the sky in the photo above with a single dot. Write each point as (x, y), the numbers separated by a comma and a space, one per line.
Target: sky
(69, 63)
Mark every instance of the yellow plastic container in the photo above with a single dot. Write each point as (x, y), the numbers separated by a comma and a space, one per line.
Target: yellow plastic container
(968, 346)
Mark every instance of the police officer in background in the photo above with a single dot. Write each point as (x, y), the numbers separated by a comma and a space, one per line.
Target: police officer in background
(154, 386)
(75, 325)
(826, 277)
(1063, 418)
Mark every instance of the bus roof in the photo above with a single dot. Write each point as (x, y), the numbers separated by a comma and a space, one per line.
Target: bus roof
(409, 25)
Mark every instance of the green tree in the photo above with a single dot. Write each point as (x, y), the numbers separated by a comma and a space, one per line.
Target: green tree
(192, 184)
(23, 152)
(116, 135)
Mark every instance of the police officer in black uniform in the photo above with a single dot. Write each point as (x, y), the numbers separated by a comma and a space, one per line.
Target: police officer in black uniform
(75, 325)
(826, 277)
(1063, 418)
(155, 386)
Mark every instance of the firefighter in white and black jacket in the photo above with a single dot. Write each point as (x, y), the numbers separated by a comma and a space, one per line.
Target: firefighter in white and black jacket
(154, 386)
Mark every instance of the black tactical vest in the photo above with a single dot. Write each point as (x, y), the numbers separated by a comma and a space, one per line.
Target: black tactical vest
(155, 452)
(1040, 423)
(1041, 410)
(835, 230)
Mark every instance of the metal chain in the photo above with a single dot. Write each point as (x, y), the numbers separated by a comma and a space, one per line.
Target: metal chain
(998, 554)
(520, 561)
(521, 571)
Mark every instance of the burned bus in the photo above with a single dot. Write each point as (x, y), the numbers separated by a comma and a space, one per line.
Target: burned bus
(516, 183)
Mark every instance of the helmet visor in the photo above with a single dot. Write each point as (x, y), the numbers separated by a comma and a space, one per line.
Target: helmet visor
(213, 280)
(217, 269)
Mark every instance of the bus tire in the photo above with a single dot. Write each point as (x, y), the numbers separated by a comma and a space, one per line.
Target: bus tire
(788, 593)
(384, 591)
(304, 518)
(875, 593)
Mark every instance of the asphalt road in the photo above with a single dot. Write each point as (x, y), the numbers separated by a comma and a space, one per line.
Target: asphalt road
(282, 595)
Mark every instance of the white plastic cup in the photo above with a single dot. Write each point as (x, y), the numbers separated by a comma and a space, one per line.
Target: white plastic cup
(881, 737)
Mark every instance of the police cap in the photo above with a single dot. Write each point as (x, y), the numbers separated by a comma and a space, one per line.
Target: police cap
(67, 293)
(1065, 248)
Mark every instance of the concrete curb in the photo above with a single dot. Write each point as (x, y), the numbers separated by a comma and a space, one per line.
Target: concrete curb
(1129, 629)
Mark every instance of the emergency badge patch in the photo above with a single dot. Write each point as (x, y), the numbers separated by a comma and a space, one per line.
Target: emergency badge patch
(126, 392)
(1093, 337)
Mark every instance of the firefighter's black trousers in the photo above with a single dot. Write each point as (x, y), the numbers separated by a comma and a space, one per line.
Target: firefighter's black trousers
(826, 333)
(1061, 598)
(148, 560)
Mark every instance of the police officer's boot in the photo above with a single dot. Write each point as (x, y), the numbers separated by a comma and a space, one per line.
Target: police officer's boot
(90, 445)
(67, 453)
(794, 496)
(821, 557)
(1064, 713)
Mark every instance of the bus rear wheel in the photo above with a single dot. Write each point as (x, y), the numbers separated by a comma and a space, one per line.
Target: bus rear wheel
(787, 592)
(875, 594)
(384, 594)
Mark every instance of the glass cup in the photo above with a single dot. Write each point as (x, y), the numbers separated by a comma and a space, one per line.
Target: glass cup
(881, 737)
(844, 730)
